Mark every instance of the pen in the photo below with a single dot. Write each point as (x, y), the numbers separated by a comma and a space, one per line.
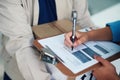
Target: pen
(74, 20)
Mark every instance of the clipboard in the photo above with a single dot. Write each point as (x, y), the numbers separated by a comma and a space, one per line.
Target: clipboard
(56, 28)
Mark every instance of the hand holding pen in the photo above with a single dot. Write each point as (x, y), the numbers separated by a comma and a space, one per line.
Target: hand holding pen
(74, 20)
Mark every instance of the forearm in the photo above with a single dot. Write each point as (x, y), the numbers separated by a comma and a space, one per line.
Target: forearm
(100, 34)
(14, 26)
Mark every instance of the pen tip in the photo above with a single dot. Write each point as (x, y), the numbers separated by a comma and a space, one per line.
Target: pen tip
(72, 48)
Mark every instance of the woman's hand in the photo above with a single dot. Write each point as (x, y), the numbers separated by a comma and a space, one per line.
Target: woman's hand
(81, 37)
(106, 72)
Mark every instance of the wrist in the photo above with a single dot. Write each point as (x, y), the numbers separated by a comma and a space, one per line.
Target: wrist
(90, 35)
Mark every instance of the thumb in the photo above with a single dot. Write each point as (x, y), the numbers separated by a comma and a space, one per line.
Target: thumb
(101, 60)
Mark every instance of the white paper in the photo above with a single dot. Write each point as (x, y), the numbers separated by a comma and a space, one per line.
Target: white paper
(82, 56)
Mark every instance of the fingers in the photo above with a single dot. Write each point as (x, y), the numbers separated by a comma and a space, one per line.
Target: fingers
(67, 40)
(80, 41)
(80, 38)
(101, 60)
(94, 72)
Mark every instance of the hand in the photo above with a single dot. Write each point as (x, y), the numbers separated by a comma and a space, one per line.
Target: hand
(81, 38)
(106, 71)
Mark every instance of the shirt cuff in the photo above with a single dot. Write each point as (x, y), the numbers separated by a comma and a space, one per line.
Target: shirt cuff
(115, 29)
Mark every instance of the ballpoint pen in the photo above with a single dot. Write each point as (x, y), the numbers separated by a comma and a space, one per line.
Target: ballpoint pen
(74, 20)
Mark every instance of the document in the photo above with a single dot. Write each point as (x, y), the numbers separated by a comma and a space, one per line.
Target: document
(80, 57)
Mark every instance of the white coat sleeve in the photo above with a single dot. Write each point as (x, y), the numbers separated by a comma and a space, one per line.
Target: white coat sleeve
(84, 19)
(18, 41)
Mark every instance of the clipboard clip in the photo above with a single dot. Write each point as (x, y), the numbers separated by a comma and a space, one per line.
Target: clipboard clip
(47, 55)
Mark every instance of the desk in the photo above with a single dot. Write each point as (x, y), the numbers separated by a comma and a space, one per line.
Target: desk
(56, 28)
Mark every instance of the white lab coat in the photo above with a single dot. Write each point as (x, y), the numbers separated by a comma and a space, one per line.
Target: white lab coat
(16, 19)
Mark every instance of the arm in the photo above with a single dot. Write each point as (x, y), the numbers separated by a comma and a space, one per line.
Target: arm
(22, 62)
(14, 26)
(112, 32)
(99, 34)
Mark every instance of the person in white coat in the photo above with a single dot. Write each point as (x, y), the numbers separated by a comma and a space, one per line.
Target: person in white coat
(16, 19)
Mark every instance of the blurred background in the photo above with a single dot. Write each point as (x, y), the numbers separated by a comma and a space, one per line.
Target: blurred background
(102, 12)
(96, 6)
